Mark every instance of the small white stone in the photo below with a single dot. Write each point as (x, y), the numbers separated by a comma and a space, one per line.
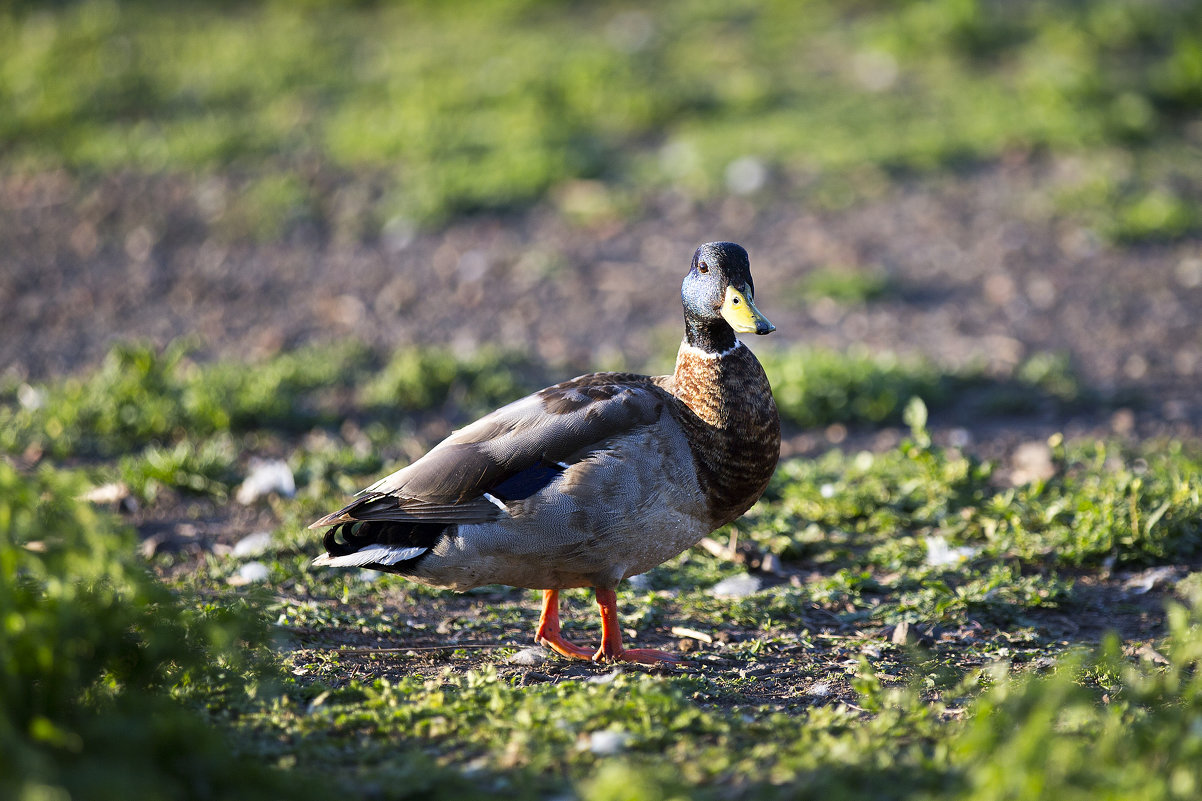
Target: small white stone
(604, 678)
(940, 554)
(252, 544)
(528, 657)
(1189, 272)
(607, 743)
(959, 438)
(266, 476)
(397, 234)
(250, 573)
(1032, 461)
(772, 565)
(1150, 579)
(113, 492)
(741, 586)
(875, 70)
(30, 397)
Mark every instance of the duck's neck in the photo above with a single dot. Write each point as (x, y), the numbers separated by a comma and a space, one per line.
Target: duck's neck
(713, 336)
(734, 431)
(703, 380)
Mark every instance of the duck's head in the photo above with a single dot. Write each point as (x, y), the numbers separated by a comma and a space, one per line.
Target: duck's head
(718, 298)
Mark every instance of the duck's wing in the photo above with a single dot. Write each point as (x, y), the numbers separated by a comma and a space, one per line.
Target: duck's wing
(510, 453)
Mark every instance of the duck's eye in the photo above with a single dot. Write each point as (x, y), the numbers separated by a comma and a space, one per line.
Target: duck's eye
(702, 267)
(734, 301)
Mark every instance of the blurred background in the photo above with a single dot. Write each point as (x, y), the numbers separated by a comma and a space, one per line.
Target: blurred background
(998, 192)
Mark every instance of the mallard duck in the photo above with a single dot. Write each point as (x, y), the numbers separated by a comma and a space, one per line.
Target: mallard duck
(587, 482)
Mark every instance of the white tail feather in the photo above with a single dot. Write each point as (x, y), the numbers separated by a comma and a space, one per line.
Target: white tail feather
(370, 555)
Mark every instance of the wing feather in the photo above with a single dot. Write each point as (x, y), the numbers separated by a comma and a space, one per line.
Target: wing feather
(560, 424)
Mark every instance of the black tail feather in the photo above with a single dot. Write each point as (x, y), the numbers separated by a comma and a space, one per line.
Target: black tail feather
(358, 533)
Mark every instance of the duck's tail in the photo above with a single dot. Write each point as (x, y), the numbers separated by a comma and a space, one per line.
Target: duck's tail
(382, 545)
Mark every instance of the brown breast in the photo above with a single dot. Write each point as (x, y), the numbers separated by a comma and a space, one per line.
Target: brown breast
(730, 418)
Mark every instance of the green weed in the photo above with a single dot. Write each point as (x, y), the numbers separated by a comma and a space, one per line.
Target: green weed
(141, 395)
(91, 648)
(816, 387)
(146, 397)
(418, 379)
(1052, 738)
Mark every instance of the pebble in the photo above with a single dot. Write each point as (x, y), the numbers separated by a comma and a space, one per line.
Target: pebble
(266, 476)
(604, 678)
(607, 743)
(1150, 579)
(113, 492)
(940, 554)
(249, 573)
(746, 175)
(1031, 461)
(529, 657)
(740, 586)
(252, 544)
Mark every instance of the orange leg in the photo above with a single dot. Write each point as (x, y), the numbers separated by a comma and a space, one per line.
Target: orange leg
(611, 649)
(548, 629)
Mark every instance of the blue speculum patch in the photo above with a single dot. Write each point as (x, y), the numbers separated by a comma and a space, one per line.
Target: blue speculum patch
(524, 484)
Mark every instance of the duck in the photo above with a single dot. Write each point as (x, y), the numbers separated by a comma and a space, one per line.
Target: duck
(590, 481)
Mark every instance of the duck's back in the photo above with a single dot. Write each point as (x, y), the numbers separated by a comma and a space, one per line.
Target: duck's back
(625, 503)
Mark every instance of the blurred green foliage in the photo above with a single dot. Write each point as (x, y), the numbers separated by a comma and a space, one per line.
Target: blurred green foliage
(1051, 738)
(845, 286)
(432, 378)
(171, 422)
(142, 396)
(453, 111)
(91, 648)
(816, 387)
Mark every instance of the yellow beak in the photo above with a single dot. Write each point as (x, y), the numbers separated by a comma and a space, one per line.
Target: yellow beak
(743, 316)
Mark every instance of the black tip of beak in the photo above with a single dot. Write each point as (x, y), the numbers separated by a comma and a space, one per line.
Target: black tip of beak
(764, 327)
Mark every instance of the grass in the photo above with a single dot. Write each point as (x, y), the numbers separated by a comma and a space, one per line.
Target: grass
(171, 419)
(91, 649)
(806, 689)
(436, 112)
